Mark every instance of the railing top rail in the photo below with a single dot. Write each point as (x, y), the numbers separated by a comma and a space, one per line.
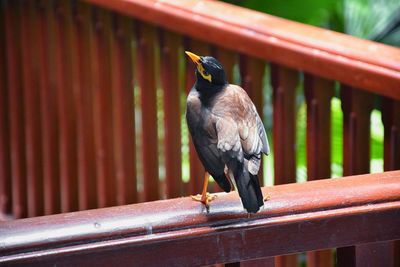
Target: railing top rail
(359, 63)
(298, 217)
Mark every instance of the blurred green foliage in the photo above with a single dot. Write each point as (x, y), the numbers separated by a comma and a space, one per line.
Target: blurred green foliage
(377, 20)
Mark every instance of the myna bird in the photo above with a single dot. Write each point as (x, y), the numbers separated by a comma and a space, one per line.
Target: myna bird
(227, 133)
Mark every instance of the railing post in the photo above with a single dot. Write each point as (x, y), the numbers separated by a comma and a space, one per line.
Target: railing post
(5, 159)
(66, 107)
(16, 109)
(284, 82)
(391, 123)
(123, 109)
(357, 106)
(84, 99)
(146, 38)
(172, 90)
(31, 100)
(102, 102)
(48, 107)
(318, 95)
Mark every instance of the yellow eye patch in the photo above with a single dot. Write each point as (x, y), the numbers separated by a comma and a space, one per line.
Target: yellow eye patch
(200, 68)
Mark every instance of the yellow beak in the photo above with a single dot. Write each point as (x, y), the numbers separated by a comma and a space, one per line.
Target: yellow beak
(195, 58)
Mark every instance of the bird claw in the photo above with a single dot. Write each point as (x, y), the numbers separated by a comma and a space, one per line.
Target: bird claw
(267, 197)
(205, 199)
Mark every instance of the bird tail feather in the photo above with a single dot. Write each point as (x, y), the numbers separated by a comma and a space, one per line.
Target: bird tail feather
(249, 189)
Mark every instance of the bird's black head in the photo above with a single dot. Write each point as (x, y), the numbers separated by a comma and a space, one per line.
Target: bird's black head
(209, 71)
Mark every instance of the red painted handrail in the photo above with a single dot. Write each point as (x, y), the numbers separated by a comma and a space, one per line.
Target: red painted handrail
(356, 62)
(314, 215)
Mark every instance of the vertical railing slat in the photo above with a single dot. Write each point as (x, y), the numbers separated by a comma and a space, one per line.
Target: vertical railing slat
(5, 161)
(102, 96)
(318, 95)
(48, 108)
(84, 106)
(284, 82)
(196, 167)
(169, 49)
(391, 123)
(357, 106)
(31, 102)
(146, 37)
(252, 71)
(16, 110)
(66, 108)
(123, 110)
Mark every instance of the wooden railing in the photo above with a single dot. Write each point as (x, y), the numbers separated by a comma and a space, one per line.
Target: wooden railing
(80, 101)
(179, 232)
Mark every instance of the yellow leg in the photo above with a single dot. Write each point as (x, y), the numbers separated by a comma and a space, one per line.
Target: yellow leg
(205, 197)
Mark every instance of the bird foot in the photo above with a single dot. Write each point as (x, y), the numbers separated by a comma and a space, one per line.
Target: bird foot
(205, 199)
(267, 197)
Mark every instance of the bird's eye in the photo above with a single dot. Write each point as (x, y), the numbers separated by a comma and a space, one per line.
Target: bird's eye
(205, 72)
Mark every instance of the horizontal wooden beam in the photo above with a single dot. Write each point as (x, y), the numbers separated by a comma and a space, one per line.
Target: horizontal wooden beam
(356, 62)
(298, 217)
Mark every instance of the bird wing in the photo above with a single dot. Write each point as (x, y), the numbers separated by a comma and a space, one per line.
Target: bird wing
(205, 141)
(261, 133)
(240, 131)
(241, 141)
